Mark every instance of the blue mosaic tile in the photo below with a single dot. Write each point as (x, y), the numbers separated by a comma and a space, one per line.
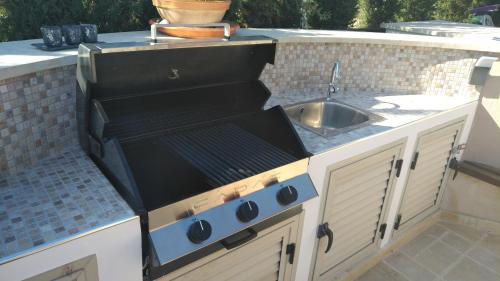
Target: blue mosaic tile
(59, 197)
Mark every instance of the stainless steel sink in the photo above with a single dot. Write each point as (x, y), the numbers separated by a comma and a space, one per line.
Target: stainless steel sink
(328, 117)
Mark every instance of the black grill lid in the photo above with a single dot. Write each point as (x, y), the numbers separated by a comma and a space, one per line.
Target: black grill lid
(173, 68)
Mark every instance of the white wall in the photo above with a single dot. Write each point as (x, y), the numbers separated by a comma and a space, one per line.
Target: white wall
(468, 195)
(118, 251)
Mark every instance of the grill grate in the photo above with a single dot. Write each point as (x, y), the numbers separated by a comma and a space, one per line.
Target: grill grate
(144, 122)
(227, 153)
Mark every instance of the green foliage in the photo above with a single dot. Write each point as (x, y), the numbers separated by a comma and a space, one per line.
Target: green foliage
(119, 15)
(416, 10)
(331, 14)
(472, 20)
(374, 12)
(266, 13)
(460, 10)
(456, 10)
(22, 19)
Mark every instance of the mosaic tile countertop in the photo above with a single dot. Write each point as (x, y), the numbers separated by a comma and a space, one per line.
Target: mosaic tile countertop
(59, 198)
(397, 110)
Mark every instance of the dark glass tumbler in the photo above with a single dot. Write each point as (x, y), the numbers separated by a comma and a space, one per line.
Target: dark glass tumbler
(89, 33)
(72, 34)
(52, 36)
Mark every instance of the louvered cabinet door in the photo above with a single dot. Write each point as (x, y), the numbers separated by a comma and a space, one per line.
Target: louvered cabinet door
(262, 259)
(428, 172)
(355, 205)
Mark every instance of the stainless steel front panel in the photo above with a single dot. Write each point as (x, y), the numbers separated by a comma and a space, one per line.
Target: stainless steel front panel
(171, 242)
(202, 202)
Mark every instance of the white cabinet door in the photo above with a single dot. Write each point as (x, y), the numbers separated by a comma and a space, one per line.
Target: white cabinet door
(355, 205)
(264, 258)
(427, 175)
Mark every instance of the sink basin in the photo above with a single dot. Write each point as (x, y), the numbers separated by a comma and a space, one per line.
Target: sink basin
(329, 116)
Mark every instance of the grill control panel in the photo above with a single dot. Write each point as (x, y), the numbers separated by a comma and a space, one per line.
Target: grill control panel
(213, 225)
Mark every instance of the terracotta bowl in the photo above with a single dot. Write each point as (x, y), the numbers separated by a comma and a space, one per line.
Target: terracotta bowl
(179, 11)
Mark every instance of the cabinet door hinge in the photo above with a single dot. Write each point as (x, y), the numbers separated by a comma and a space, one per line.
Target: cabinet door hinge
(414, 161)
(399, 164)
(397, 222)
(290, 251)
(382, 229)
(454, 165)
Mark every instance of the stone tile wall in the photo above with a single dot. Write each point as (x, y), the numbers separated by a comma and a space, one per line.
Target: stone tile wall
(37, 111)
(37, 117)
(302, 67)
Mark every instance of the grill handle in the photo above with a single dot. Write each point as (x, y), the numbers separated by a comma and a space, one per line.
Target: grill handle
(239, 238)
(225, 25)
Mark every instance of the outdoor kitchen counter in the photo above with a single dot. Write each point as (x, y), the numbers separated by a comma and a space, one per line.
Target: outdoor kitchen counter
(397, 110)
(20, 57)
(59, 199)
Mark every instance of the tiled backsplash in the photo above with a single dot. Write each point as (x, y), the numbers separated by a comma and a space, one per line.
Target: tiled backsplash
(37, 117)
(301, 67)
(37, 111)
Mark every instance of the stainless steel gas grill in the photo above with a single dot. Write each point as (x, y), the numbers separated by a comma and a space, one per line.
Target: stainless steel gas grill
(180, 131)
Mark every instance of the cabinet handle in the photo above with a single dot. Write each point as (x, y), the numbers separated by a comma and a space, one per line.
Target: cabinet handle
(239, 238)
(324, 230)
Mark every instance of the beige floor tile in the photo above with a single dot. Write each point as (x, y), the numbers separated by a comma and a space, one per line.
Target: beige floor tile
(464, 231)
(409, 268)
(435, 230)
(492, 243)
(456, 241)
(418, 244)
(382, 272)
(469, 270)
(438, 257)
(486, 258)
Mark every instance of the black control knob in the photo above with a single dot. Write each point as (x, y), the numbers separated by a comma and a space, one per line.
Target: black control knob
(287, 195)
(199, 231)
(247, 211)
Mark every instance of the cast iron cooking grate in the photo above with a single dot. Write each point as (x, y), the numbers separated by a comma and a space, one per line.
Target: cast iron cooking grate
(146, 122)
(227, 153)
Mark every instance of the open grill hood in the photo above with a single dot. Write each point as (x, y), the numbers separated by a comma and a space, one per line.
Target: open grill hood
(169, 122)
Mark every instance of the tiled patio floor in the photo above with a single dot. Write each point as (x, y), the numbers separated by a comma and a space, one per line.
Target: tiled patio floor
(444, 252)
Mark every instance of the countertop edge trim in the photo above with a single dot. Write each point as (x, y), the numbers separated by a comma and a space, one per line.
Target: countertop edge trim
(58, 242)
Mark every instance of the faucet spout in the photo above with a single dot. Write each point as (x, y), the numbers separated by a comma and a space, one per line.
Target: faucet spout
(332, 87)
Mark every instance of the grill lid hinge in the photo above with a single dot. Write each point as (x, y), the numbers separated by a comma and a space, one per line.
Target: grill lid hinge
(382, 230)
(399, 164)
(290, 251)
(397, 222)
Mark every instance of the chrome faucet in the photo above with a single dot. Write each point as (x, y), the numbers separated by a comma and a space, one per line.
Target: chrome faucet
(332, 87)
